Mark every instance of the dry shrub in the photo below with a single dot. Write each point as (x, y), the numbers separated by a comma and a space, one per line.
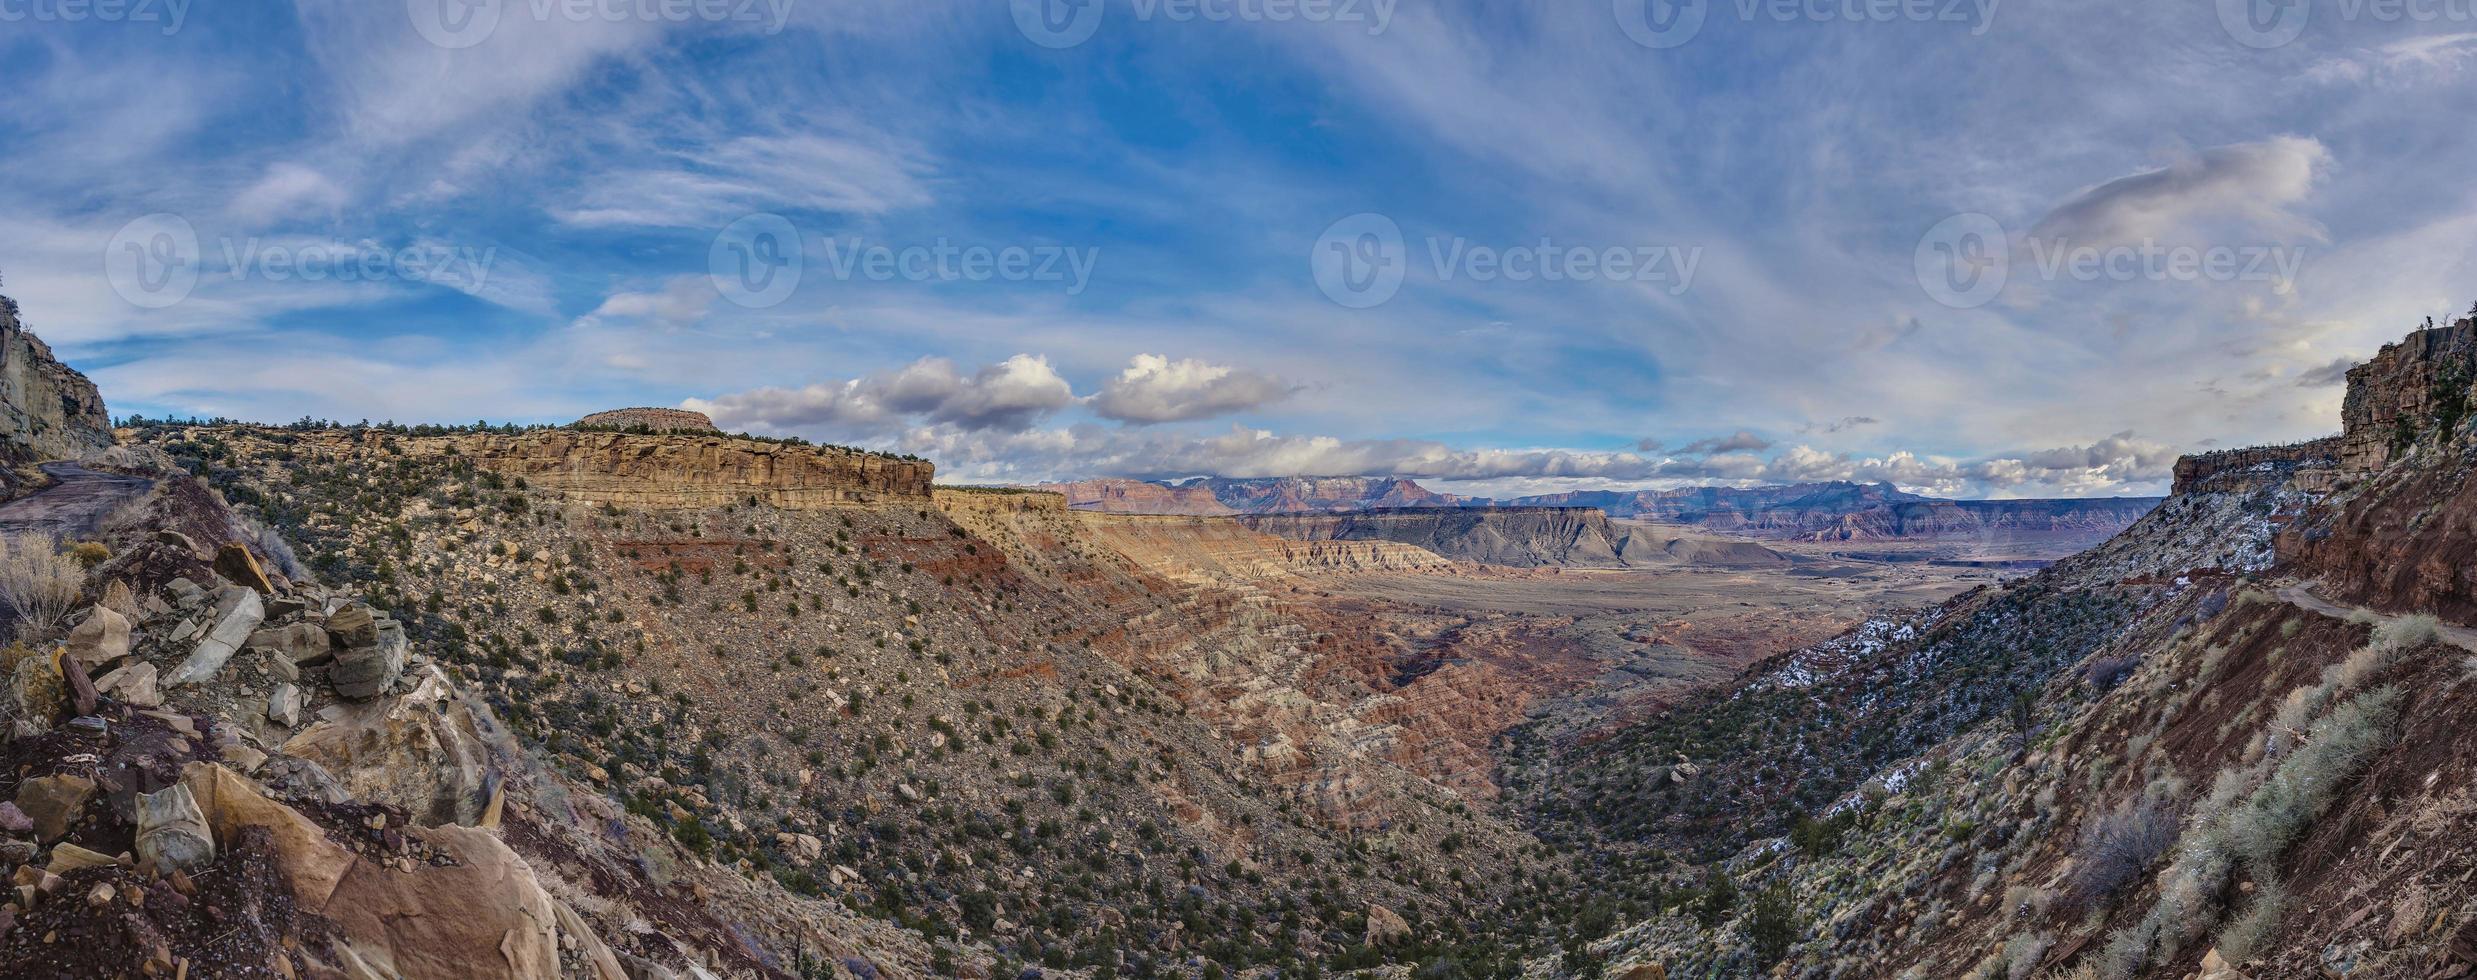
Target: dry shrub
(37, 582)
(2118, 847)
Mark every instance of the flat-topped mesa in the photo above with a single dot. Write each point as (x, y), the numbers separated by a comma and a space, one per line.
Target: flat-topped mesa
(2312, 465)
(2404, 393)
(649, 419)
(688, 471)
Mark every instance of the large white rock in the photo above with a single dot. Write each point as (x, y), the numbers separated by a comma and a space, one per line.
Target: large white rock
(238, 613)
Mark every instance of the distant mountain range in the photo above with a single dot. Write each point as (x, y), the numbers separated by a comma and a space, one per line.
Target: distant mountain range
(1836, 511)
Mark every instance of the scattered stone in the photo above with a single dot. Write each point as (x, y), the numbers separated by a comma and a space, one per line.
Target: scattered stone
(70, 858)
(101, 639)
(172, 831)
(285, 704)
(102, 895)
(300, 644)
(53, 802)
(243, 757)
(238, 611)
(184, 591)
(236, 563)
(14, 820)
(118, 598)
(177, 540)
(90, 726)
(354, 626)
(134, 684)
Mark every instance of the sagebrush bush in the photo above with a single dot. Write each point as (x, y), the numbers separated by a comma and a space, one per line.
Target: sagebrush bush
(2248, 934)
(37, 582)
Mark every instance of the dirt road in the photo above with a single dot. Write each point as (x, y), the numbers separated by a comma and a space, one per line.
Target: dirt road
(2301, 595)
(75, 506)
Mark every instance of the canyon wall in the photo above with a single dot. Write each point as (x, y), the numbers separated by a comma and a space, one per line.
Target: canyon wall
(1523, 536)
(1139, 497)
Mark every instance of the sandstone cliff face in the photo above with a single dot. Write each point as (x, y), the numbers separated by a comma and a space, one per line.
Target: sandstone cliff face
(47, 409)
(1139, 497)
(1523, 536)
(2401, 395)
(672, 471)
(2202, 471)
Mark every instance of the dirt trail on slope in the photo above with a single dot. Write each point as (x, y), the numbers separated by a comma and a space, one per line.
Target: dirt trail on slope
(75, 505)
(2301, 595)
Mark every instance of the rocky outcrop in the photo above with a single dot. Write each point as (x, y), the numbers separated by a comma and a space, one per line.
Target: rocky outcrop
(2211, 471)
(2405, 393)
(650, 420)
(1521, 536)
(47, 409)
(2400, 533)
(682, 471)
(1140, 497)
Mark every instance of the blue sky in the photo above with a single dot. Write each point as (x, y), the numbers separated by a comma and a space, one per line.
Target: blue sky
(1028, 259)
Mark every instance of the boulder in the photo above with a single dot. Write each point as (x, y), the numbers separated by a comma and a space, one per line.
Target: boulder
(483, 917)
(134, 684)
(1385, 926)
(303, 644)
(422, 751)
(312, 864)
(53, 803)
(366, 671)
(238, 612)
(236, 563)
(172, 830)
(101, 639)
